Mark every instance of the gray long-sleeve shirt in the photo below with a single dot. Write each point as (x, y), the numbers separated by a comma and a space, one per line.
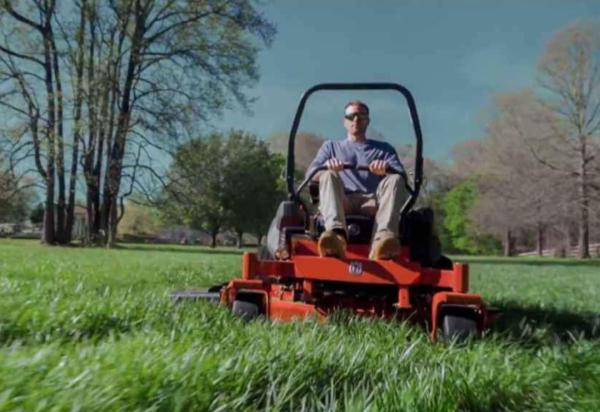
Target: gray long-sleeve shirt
(357, 153)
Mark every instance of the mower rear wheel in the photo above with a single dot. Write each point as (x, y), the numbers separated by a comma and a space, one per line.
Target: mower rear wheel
(459, 324)
(245, 310)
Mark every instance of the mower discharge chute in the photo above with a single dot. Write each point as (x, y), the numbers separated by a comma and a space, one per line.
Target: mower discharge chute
(289, 280)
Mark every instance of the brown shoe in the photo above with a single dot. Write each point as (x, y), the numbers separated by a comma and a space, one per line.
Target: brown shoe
(385, 246)
(332, 244)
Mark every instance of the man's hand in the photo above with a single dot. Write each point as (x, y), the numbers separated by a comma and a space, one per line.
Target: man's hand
(378, 167)
(334, 165)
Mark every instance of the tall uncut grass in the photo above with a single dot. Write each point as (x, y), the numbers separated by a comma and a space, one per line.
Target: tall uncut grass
(91, 329)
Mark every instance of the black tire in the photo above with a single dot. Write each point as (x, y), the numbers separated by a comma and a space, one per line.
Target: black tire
(245, 310)
(460, 324)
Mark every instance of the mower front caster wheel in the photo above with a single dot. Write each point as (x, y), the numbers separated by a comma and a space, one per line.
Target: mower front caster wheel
(460, 324)
(245, 310)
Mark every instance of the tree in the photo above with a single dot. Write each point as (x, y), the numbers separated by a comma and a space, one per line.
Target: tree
(184, 60)
(143, 73)
(438, 180)
(517, 193)
(569, 72)
(34, 94)
(37, 214)
(253, 184)
(458, 204)
(140, 220)
(15, 198)
(306, 147)
(195, 189)
(222, 181)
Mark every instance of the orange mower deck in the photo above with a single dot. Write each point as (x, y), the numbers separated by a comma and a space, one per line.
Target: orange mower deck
(312, 286)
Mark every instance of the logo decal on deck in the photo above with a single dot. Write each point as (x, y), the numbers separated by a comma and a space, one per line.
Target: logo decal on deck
(355, 268)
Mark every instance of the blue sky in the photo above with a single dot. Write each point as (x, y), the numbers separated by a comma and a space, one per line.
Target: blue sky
(452, 55)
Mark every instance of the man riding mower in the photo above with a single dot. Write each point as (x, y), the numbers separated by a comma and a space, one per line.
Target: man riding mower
(365, 250)
(371, 192)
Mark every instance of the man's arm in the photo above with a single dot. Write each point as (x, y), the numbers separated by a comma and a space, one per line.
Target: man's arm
(323, 155)
(392, 159)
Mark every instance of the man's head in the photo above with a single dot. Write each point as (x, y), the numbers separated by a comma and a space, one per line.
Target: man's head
(356, 119)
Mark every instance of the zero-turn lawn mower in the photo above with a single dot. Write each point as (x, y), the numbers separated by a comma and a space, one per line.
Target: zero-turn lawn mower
(289, 280)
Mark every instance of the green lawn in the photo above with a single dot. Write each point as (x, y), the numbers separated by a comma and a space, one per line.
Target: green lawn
(92, 329)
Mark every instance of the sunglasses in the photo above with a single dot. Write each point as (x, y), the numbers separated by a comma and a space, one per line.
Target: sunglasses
(361, 116)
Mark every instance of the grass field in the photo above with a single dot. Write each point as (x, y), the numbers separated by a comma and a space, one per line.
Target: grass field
(91, 329)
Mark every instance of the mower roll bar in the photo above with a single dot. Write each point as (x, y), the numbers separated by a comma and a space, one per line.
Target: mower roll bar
(293, 194)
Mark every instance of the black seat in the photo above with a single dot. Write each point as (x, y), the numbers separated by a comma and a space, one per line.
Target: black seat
(358, 227)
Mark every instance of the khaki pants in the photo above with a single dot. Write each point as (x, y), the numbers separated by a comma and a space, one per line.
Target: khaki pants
(385, 204)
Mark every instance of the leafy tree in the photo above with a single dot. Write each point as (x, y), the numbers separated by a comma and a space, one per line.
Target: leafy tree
(438, 180)
(253, 185)
(195, 191)
(458, 203)
(37, 214)
(219, 182)
(15, 196)
(140, 220)
(16, 208)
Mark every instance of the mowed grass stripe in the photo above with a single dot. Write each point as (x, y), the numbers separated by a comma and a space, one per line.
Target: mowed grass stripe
(94, 330)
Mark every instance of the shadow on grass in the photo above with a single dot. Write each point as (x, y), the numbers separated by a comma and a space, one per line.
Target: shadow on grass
(529, 261)
(180, 249)
(531, 324)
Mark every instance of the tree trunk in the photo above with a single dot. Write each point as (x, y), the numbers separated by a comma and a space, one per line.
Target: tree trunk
(567, 239)
(50, 212)
(508, 243)
(70, 218)
(584, 233)
(540, 239)
(115, 166)
(101, 207)
(111, 239)
(213, 238)
(92, 180)
(48, 234)
(62, 236)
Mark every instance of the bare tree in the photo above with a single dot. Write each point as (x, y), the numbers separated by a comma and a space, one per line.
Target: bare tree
(167, 64)
(35, 97)
(519, 192)
(307, 146)
(142, 75)
(16, 188)
(569, 72)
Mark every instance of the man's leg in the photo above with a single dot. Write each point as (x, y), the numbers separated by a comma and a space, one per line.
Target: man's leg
(331, 204)
(332, 200)
(391, 195)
